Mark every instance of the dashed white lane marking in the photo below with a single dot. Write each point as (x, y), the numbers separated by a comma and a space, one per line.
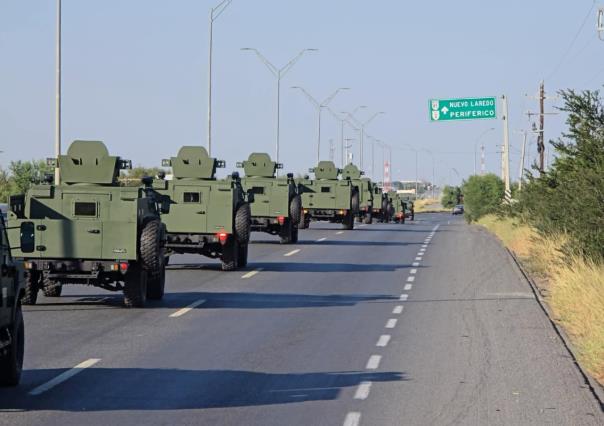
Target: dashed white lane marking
(413, 271)
(363, 390)
(408, 287)
(422, 250)
(391, 323)
(418, 258)
(251, 273)
(415, 264)
(189, 308)
(410, 279)
(398, 309)
(339, 232)
(435, 228)
(403, 297)
(383, 341)
(64, 376)
(321, 239)
(352, 419)
(374, 362)
(425, 246)
(291, 253)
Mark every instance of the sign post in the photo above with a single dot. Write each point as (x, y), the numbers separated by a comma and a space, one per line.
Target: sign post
(463, 109)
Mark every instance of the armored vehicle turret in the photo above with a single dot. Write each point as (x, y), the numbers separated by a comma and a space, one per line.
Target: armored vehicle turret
(207, 216)
(277, 207)
(11, 317)
(363, 187)
(92, 231)
(329, 198)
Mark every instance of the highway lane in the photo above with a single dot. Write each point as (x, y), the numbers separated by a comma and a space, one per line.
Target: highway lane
(333, 333)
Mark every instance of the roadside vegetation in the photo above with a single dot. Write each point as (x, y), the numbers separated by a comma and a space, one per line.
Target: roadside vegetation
(556, 226)
(428, 205)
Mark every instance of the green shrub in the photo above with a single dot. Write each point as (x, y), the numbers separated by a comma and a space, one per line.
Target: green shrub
(451, 196)
(482, 195)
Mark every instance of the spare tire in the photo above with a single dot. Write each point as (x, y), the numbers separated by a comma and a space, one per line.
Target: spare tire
(243, 217)
(295, 209)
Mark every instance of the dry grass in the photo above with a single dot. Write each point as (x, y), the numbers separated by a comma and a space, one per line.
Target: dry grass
(575, 286)
(429, 205)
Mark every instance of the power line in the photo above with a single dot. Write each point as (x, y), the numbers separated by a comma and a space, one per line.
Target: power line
(572, 43)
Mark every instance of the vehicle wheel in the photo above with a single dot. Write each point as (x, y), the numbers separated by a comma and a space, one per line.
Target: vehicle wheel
(348, 221)
(294, 235)
(384, 206)
(403, 218)
(229, 255)
(156, 283)
(135, 287)
(151, 246)
(368, 219)
(390, 212)
(286, 232)
(51, 288)
(242, 255)
(11, 362)
(355, 202)
(243, 217)
(31, 287)
(295, 209)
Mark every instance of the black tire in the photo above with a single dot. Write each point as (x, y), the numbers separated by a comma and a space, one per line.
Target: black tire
(286, 232)
(156, 283)
(348, 222)
(294, 235)
(151, 246)
(355, 203)
(295, 209)
(384, 206)
(413, 216)
(51, 288)
(243, 225)
(229, 255)
(242, 255)
(390, 212)
(11, 362)
(31, 286)
(368, 219)
(135, 287)
(304, 222)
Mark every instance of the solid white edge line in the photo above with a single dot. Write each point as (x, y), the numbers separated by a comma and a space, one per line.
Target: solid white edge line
(64, 376)
(291, 253)
(408, 287)
(363, 390)
(251, 273)
(383, 341)
(187, 309)
(398, 309)
(352, 419)
(391, 323)
(374, 362)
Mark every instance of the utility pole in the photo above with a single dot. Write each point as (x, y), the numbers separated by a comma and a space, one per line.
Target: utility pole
(58, 95)
(506, 150)
(540, 138)
(521, 173)
(482, 162)
(332, 150)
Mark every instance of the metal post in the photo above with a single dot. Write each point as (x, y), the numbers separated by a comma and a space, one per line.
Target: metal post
(58, 95)
(506, 149)
(278, 116)
(319, 136)
(416, 173)
(482, 158)
(540, 138)
(342, 140)
(522, 161)
(211, 36)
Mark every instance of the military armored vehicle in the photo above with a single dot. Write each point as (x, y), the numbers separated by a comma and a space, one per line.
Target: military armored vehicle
(329, 198)
(398, 207)
(364, 188)
(207, 216)
(90, 230)
(11, 317)
(380, 204)
(277, 207)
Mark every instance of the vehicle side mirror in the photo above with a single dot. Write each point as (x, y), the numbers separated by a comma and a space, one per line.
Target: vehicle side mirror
(28, 237)
(290, 175)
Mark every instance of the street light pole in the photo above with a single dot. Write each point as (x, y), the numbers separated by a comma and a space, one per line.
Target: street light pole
(58, 95)
(362, 125)
(320, 105)
(215, 12)
(433, 169)
(278, 73)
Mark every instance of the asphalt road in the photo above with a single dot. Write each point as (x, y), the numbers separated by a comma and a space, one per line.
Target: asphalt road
(427, 323)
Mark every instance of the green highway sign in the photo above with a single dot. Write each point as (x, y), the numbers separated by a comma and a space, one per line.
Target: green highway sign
(463, 109)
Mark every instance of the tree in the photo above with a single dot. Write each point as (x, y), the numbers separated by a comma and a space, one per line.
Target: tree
(133, 176)
(482, 195)
(26, 173)
(451, 196)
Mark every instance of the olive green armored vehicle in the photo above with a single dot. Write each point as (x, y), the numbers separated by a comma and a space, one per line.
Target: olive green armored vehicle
(207, 216)
(380, 204)
(398, 207)
(90, 230)
(364, 188)
(11, 317)
(329, 198)
(277, 207)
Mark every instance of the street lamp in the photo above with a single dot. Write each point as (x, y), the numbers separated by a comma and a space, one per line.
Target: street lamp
(215, 12)
(278, 73)
(320, 105)
(476, 144)
(58, 94)
(362, 125)
(348, 146)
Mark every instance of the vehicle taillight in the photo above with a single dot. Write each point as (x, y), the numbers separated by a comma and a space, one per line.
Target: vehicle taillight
(281, 220)
(123, 267)
(222, 237)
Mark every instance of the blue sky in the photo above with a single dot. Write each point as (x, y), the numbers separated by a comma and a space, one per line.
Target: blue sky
(135, 72)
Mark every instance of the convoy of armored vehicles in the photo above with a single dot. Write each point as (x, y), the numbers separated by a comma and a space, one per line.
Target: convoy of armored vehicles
(88, 228)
